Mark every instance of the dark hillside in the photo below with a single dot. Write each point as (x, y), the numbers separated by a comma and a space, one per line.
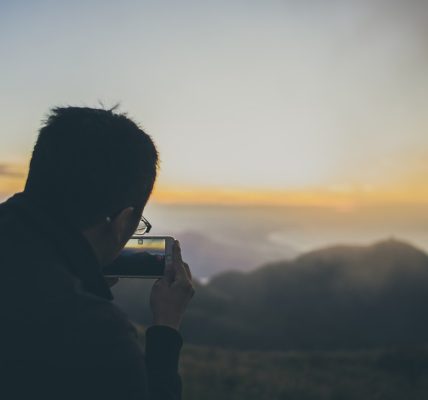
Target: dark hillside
(342, 297)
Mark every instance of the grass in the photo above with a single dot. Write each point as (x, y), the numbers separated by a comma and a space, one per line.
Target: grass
(214, 373)
(210, 373)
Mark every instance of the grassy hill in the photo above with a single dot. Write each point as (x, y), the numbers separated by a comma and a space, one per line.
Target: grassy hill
(212, 374)
(338, 298)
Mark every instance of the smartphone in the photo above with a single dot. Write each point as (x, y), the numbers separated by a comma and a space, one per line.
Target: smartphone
(142, 257)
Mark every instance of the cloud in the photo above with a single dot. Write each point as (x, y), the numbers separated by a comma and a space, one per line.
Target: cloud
(12, 178)
(11, 170)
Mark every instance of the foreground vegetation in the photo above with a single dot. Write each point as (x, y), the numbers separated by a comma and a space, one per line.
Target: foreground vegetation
(259, 335)
(341, 297)
(212, 374)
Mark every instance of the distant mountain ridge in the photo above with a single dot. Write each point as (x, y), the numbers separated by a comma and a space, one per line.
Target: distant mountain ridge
(210, 256)
(340, 297)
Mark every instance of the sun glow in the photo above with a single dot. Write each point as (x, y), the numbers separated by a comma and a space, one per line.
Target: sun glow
(12, 178)
(319, 197)
(340, 197)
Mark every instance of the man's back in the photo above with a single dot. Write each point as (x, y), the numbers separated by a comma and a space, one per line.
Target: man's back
(61, 337)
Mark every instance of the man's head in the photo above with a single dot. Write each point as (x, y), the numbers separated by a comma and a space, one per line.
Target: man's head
(96, 169)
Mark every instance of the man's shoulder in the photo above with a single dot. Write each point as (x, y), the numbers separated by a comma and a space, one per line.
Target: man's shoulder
(20, 242)
(45, 301)
(42, 296)
(100, 331)
(31, 269)
(101, 315)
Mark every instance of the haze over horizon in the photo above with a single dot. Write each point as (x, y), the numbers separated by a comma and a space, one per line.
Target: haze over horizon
(308, 104)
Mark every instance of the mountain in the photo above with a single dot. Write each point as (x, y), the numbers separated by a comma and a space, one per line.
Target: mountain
(210, 256)
(341, 297)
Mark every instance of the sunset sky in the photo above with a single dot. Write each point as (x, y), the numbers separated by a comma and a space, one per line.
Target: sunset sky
(250, 102)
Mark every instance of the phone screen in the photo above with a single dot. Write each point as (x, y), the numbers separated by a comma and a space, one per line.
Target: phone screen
(141, 258)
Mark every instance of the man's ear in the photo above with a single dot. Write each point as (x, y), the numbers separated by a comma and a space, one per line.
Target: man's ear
(123, 225)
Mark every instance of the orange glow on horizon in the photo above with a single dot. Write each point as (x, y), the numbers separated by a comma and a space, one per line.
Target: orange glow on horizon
(12, 179)
(330, 198)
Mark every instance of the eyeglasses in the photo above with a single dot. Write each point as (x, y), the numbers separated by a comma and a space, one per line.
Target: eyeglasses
(144, 226)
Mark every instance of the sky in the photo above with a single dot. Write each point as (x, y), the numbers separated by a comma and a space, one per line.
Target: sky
(317, 103)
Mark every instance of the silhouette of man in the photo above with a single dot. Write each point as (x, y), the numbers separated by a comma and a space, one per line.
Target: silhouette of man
(91, 174)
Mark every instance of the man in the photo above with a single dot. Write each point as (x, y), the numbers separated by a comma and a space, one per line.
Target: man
(91, 174)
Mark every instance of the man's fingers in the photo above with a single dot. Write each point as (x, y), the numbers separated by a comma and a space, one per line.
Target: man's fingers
(171, 266)
(176, 252)
(180, 271)
(187, 268)
(169, 272)
(180, 268)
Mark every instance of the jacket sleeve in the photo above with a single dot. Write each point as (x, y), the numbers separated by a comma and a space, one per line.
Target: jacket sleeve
(163, 345)
(109, 342)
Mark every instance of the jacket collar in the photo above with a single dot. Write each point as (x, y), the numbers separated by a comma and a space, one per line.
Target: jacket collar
(77, 253)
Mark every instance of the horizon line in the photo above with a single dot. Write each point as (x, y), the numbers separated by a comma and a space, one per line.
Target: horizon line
(341, 198)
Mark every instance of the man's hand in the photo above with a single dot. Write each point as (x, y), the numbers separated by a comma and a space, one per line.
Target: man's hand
(111, 281)
(171, 293)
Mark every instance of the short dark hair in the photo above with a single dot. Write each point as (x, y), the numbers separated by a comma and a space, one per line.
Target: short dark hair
(90, 163)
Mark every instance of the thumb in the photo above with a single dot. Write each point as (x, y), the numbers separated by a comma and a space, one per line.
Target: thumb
(169, 272)
(180, 271)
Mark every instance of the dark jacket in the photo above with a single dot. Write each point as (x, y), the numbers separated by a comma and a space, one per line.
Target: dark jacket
(60, 335)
